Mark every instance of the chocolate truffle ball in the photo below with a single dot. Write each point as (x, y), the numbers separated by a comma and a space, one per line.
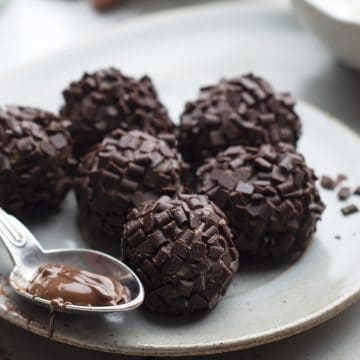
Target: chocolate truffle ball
(106, 100)
(183, 252)
(126, 169)
(35, 148)
(269, 196)
(240, 111)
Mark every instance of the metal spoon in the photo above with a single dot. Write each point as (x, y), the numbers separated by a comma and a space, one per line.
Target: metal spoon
(27, 255)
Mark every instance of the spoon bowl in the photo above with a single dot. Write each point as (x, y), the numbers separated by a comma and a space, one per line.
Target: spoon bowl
(28, 255)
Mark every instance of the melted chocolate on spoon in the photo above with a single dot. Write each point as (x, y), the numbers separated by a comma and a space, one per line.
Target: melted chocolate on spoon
(64, 285)
(67, 284)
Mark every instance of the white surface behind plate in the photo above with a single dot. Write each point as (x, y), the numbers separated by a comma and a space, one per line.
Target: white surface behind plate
(226, 42)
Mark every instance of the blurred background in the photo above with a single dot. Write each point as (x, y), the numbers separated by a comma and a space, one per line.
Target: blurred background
(32, 28)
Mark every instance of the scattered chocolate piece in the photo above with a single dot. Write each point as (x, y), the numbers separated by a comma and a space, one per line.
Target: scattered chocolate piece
(126, 169)
(337, 237)
(183, 252)
(357, 191)
(344, 193)
(349, 209)
(272, 202)
(106, 100)
(240, 111)
(340, 178)
(34, 154)
(327, 182)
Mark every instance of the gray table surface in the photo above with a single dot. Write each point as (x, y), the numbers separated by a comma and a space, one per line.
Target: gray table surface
(330, 86)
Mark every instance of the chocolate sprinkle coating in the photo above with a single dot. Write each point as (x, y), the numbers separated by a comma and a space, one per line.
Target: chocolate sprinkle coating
(340, 178)
(126, 169)
(244, 110)
(34, 152)
(106, 100)
(183, 252)
(269, 196)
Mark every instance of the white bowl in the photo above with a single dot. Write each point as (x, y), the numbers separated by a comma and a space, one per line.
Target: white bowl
(340, 34)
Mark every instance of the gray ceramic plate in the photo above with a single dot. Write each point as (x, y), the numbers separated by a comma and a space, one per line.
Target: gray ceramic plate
(183, 50)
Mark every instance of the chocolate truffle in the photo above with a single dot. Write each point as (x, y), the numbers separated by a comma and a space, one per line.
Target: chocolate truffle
(269, 196)
(121, 172)
(240, 111)
(106, 100)
(183, 252)
(34, 151)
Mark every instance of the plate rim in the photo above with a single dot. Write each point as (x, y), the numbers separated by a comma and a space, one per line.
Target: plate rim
(282, 332)
(296, 327)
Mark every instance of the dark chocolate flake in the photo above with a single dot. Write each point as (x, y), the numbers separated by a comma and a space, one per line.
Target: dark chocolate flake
(25, 144)
(228, 181)
(344, 193)
(244, 188)
(263, 164)
(327, 182)
(340, 178)
(59, 141)
(349, 209)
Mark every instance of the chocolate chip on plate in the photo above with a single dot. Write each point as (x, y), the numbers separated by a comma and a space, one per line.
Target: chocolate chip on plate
(327, 182)
(349, 209)
(340, 178)
(344, 193)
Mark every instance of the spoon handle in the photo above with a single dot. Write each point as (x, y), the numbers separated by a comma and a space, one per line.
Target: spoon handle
(17, 238)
